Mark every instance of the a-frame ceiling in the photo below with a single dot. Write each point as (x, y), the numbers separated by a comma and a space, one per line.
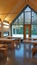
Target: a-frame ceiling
(9, 9)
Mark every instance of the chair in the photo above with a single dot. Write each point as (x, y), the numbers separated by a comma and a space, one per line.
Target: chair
(34, 50)
(4, 49)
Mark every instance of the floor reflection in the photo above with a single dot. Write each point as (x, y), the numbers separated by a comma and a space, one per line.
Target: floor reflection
(22, 55)
(24, 51)
(19, 52)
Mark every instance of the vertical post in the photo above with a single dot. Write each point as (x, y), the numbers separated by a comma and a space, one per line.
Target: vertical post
(9, 31)
(2, 30)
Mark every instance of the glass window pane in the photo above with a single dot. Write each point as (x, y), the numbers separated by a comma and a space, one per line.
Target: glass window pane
(5, 33)
(27, 9)
(27, 31)
(34, 18)
(17, 29)
(16, 21)
(21, 19)
(34, 31)
(27, 17)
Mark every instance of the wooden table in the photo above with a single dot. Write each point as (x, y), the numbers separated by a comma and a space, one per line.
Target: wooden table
(9, 41)
(30, 41)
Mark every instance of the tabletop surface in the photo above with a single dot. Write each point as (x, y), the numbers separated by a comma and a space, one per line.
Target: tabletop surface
(30, 41)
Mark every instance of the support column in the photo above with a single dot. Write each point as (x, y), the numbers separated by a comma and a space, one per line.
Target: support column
(2, 31)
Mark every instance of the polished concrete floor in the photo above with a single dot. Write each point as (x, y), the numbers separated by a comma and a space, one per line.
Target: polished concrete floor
(21, 55)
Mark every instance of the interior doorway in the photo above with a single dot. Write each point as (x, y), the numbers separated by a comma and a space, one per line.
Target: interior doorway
(27, 31)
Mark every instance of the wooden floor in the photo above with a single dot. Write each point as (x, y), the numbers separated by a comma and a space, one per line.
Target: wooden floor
(21, 55)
